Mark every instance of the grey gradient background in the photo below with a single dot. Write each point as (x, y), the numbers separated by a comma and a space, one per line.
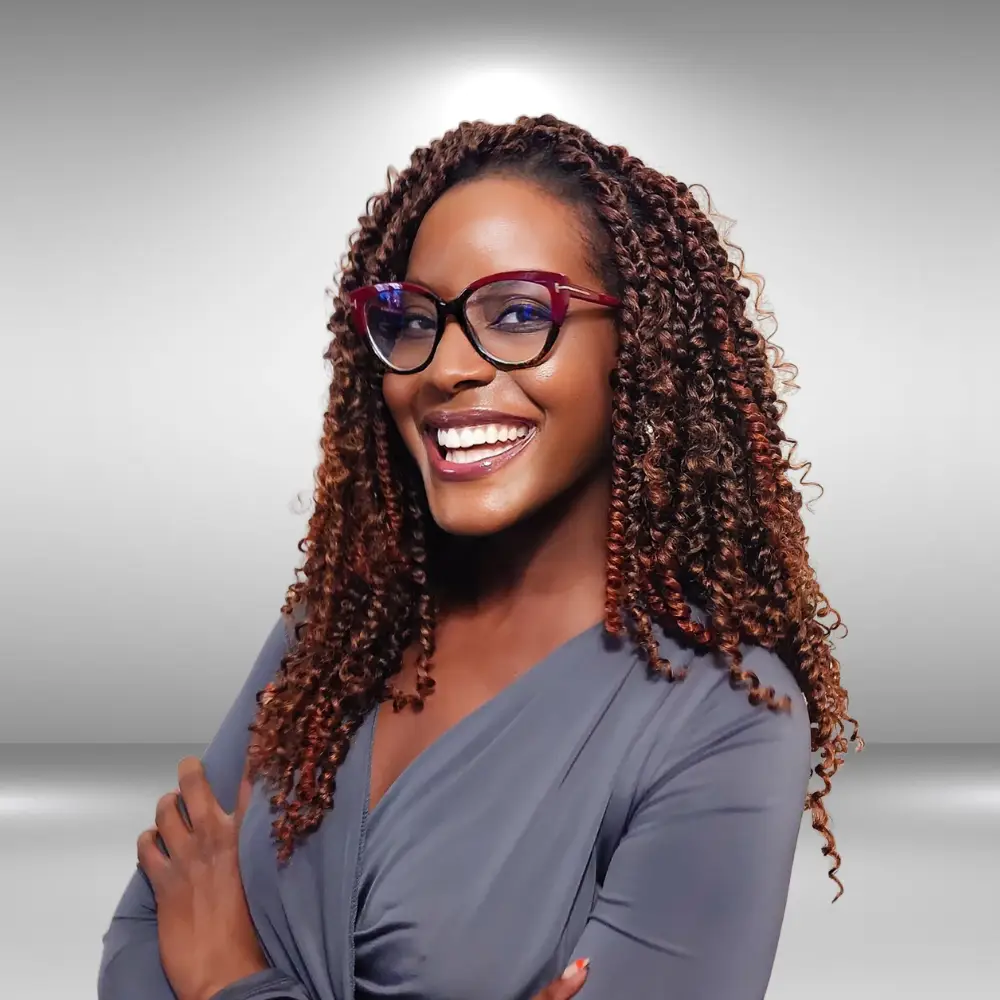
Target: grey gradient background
(178, 182)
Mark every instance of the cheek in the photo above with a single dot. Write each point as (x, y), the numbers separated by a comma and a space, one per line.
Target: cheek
(580, 373)
(396, 393)
(576, 399)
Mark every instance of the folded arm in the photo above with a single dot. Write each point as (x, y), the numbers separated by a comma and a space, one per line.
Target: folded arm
(130, 962)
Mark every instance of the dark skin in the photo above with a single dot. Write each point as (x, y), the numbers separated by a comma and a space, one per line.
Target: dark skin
(527, 544)
(521, 572)
(206, 936)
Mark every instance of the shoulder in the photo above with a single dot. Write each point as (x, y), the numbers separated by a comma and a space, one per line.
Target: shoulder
(708, 727)
(714, 695)
(724, 698)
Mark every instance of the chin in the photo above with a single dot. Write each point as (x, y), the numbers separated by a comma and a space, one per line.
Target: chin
(470, 522)
(475, 512)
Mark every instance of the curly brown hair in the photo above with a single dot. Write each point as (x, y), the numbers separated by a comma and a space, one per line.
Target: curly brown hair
(703, 513)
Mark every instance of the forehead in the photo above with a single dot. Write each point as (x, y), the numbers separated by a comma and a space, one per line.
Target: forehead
(495, 224)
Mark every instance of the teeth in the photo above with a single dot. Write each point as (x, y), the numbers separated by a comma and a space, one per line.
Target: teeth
(465, 456)
(488, 434)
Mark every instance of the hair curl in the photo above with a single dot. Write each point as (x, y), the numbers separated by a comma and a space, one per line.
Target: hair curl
(702, 508)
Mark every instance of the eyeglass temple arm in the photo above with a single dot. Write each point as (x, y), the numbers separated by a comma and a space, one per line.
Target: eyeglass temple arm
(589, 296)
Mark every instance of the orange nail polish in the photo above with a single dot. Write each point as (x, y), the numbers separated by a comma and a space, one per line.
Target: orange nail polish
(575, 968)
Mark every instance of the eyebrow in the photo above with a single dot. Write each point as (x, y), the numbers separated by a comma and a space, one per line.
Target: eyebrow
(428, 284)
(431, 287)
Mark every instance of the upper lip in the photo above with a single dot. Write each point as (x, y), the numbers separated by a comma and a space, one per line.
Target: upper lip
(472, 418)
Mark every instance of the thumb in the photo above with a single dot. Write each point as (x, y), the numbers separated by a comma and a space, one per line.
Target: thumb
(245, 793)
(568, 983)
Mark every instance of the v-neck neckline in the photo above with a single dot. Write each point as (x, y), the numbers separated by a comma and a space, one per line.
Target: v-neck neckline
(537, 669)
(365, 816)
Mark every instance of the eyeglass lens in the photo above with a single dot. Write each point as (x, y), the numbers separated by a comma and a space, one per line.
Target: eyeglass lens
(510, 320)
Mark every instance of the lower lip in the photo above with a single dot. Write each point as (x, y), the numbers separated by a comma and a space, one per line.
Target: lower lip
(461, 472)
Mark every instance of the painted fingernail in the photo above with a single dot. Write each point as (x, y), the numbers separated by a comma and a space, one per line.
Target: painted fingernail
(575, 968)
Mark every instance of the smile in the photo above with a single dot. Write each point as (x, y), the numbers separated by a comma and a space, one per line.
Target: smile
(472, 451)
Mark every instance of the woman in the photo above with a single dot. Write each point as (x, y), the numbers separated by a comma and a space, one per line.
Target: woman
(546, 694)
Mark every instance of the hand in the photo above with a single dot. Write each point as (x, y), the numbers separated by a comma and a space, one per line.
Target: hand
(568, 983)
(207, 938)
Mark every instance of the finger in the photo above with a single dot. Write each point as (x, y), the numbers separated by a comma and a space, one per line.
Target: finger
(197, 797)
(245, 793)
(161, 846)
(170, 824)
(568, 983)
(151, 859)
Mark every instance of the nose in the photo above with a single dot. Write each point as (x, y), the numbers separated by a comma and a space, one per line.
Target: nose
(456, 364)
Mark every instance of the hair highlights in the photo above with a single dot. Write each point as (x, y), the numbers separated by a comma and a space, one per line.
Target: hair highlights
(702, 510)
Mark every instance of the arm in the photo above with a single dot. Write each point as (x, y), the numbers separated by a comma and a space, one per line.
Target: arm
(694, 897)
(130, 963)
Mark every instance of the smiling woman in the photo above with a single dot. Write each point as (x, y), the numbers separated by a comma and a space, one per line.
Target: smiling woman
(533, 347)
(545, 695)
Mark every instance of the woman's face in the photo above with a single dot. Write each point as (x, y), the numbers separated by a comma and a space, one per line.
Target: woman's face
(478, 228)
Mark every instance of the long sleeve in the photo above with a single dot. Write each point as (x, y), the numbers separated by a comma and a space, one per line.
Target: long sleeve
(130, 963)
(694, 896)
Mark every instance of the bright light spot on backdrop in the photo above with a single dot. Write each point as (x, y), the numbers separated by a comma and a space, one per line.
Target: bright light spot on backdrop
(501, 93)
(446, 92)
(497, 90)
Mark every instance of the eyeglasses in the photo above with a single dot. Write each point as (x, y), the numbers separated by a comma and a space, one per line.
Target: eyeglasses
(512, 319)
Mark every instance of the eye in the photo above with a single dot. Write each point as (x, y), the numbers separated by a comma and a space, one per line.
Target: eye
(401, 323)
(417, 324)
(522, 316)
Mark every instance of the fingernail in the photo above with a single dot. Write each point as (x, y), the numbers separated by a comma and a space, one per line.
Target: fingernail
(575, 968)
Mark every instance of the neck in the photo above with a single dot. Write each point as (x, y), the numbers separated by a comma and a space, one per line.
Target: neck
(550, 564)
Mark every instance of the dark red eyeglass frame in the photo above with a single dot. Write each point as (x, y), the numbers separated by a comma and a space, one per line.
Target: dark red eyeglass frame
(561, 290)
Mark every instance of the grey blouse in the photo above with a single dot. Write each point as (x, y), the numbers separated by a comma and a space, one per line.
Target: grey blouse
(587, 810)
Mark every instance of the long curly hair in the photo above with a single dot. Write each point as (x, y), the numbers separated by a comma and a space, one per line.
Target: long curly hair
(703, 513)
